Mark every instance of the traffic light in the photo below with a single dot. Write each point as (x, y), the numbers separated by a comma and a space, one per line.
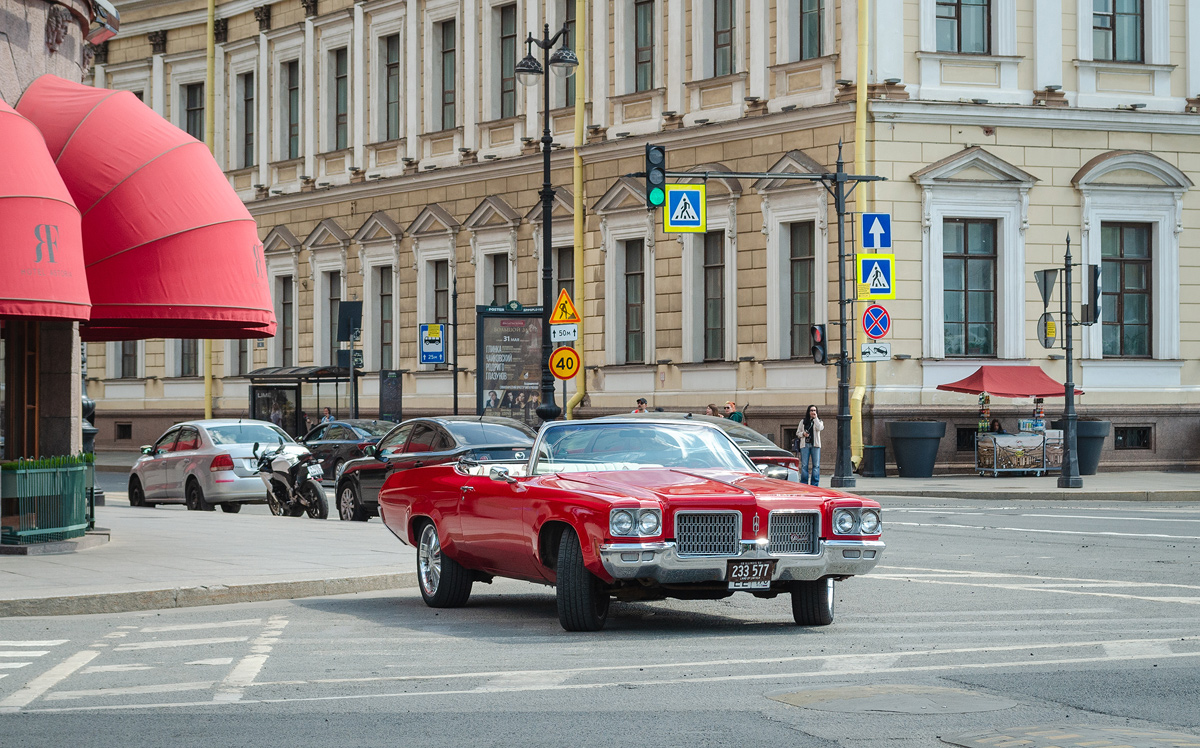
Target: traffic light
(656, 175)
(819, 353)
(1091, 310)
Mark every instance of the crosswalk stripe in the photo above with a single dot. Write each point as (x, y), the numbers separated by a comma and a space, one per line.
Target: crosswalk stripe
(26, 653)
(180, 643)
(44, 643)
(13, 665)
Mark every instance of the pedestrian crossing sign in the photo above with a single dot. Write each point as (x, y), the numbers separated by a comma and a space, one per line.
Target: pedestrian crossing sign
(685, 211)
(876, 277)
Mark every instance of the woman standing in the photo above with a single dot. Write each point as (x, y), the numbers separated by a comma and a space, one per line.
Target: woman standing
(808, 431)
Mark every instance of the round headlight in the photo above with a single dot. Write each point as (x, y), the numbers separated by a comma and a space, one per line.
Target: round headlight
(648, 522)
(621, 522)
(843, 521)
(869, 522)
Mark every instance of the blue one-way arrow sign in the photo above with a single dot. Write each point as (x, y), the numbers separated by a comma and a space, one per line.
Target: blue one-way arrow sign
(877, 230)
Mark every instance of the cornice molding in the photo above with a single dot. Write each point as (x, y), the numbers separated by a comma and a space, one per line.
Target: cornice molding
(1058, 118)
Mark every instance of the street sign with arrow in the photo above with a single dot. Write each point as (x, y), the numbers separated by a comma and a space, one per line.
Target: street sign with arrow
(877, 230)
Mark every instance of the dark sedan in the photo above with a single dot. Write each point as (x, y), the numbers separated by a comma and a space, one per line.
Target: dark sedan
(335, 442)
(761, 450)
(427, 441)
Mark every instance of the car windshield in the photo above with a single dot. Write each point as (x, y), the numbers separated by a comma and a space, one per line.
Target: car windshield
(375, 428)
(744, 435)
(247, 433)
(629, 446)
(484, 432)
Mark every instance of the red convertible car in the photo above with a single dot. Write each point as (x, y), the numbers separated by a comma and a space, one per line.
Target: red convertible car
(630, 509)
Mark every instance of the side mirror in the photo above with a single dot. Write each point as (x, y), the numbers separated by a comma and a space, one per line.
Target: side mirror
(500, 475)
(147, 449)
(370, 450)
(775, 471)
(255, 450)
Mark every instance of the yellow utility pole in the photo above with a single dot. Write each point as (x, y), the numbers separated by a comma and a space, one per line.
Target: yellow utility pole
(860, 166)
(580, 296)
(210, 119)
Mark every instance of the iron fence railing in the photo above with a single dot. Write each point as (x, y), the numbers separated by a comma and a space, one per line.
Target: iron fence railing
(46, 499)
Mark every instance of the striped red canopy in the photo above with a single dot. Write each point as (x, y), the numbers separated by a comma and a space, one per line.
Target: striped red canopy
(41, 248)
(169, 247)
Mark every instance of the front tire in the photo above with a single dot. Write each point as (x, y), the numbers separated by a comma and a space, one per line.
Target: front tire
(194, 497)
(318, 506)
(582, 599)
(231, 507)
(812, 602)
(137, 495)
(350, 508)
(443, 581)
(274, 503)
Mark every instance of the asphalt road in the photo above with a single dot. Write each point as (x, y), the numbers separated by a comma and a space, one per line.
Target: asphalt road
(1052, 625)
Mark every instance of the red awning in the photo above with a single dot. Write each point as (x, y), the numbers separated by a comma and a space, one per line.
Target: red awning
(1009, 381)
(170, 248)
(41, 249)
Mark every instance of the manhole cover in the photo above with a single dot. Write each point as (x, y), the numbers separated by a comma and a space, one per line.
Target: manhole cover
(898, 699)
(1071, 736)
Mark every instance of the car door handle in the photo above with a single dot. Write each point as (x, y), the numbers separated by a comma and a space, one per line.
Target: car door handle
(466, 490)
(418, 463)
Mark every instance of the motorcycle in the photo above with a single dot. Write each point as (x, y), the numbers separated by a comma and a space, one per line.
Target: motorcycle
(293, 479)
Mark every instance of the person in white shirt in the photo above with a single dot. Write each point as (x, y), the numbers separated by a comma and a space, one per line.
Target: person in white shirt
(808, 432)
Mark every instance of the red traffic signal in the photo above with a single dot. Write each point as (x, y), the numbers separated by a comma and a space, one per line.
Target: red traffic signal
(816, 335)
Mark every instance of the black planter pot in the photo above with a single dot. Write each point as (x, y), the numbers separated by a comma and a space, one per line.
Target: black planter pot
(915, 446)
(1089, 441)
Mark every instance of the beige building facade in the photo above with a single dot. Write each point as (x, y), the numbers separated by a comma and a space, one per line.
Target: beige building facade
(385, 149)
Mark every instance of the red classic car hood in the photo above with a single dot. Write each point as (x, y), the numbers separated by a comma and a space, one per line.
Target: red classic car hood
(682, 485)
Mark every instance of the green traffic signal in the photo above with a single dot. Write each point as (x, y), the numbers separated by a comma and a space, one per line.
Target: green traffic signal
(656, 175)
(657, 196)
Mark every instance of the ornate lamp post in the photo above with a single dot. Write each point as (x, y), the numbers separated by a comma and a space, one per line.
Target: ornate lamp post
(529, 71)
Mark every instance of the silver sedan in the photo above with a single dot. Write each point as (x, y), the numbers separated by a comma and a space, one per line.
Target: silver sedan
(203, 464)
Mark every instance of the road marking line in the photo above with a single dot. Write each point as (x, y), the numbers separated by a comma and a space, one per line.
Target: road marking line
(13, 665)
(129, 690)
(243, 674)
(1152, 649)
(1049, 532)
(46, 643)
(524, 682)
(1037, 588)
(26, 653)
(179, 643)
(1128, 519)
(115, 668)
(213, 661)
(1031, 577)
(198, 626)
(47, 680)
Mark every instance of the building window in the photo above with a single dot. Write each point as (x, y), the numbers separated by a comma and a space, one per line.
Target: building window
(1117, 30)
(643, 61)
(335, 303)
(128, 361)
(445, 107)
(246, 81)
(569, 43)
(141, 95)
(292, 107)
(1125, 282)
(124, 432)
(812, 16)
(964, 26)
(714, 296)
(565, 257)
(499, 270)
(508, 61)
(441, 292)
(189, 358)
(385, 316)
(969, 286)
(722, 37)
(193, 107)
(239, 362)
(635, 302)
(341, 99)
(391, 96)
(964, 438)
(287, 321)
(1131, 437)
(800, 292)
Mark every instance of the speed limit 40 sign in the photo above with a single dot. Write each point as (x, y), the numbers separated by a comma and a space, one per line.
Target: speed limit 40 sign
(564, 362)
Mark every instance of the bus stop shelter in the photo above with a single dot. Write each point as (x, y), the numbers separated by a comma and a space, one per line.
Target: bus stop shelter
(277, 394)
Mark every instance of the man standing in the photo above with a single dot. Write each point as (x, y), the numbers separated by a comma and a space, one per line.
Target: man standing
(731, 412)
(641, 406)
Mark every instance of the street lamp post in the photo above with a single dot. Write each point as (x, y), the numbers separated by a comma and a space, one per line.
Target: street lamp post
(529, 71)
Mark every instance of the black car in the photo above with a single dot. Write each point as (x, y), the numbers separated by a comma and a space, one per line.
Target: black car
(335, 442)
(426, 441)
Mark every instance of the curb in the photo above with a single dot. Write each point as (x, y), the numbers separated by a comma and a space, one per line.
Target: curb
(188, 597)
(1181, 496)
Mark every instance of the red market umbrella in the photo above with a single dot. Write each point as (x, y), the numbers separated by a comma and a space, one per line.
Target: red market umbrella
(1009, 381)
(41, 247)
(169, 247)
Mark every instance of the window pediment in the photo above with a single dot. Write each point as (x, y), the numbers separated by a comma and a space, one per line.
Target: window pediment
(378, 227)
(492, 212)
(793, 162)
(564, 206)
(280, 239)
(433, 219)
(1130, 168)
(976, 166)
(327, 234)
(725, 186)
(625, 194)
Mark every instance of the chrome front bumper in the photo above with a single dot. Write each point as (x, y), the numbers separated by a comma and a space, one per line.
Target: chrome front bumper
(661, 562)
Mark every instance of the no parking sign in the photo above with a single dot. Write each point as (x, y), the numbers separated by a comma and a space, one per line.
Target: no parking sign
(876, 322)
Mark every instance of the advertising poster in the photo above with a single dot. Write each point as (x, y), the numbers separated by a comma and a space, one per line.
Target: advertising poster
(510, 368)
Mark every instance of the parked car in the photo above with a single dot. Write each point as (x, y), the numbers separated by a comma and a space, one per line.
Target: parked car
(757, 447)
(632, 509)
(337, 441)
(203, 464)
(426, 441)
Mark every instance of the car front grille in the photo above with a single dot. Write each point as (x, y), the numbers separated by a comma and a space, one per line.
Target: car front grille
(708, 533)
(792, 533)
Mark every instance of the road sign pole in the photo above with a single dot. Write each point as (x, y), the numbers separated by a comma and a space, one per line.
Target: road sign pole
(843, 473)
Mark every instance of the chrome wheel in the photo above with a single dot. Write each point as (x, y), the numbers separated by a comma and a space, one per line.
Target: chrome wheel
(429, 561)
(348, 506)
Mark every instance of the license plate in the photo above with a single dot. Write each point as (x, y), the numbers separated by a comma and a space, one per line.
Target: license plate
(315, 471)
(749, 575)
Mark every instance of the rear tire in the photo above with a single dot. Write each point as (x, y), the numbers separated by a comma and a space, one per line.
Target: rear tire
(137, 495)
(350, 508)
(194, 497)
(231, 507)
(812, 602)
(314, 494)
(443, 581)
(582, 599)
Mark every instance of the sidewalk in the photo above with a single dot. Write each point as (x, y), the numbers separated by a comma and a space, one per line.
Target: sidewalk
(169, 557)
(1131, 486)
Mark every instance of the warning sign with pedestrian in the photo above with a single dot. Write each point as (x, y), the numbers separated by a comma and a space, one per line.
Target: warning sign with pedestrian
(685, 210)
(876, 277)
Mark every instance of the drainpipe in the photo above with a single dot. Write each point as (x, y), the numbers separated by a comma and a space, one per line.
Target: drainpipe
(581, 35)
(860, 166)
(210, 123)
